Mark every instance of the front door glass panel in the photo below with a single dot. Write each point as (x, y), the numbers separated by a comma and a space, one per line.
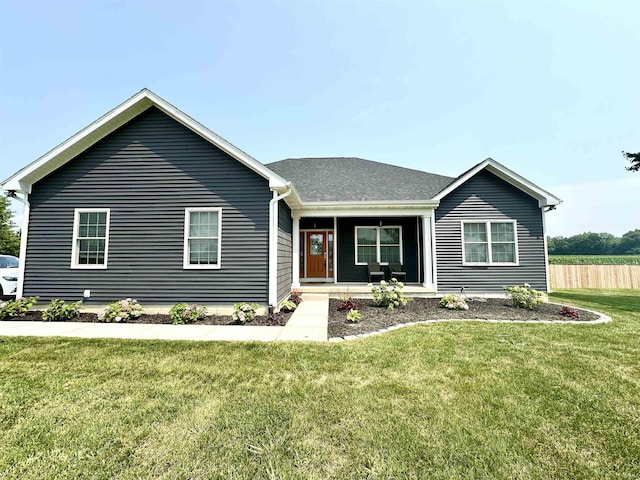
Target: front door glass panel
(316, 241)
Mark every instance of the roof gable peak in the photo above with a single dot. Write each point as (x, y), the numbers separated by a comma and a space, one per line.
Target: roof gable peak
(111, 121)
(545, 199)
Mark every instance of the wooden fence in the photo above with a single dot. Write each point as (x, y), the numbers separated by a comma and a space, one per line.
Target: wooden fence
(594, 276)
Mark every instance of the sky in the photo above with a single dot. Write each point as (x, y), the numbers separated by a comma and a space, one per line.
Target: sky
(547, 88)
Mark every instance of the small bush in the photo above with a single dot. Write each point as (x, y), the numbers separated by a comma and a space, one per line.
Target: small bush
(523, 296)
(347, 303)
(16, 308)
(569, 312)
(288, 306)
(389, 294)
(354, 316)
(244, 312)
(182, 313)
(295, 297)
(121, 311)
(60, 311)
(454, 302)
(276, 319)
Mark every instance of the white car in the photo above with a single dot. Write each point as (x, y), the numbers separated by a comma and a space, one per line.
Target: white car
(8, 275)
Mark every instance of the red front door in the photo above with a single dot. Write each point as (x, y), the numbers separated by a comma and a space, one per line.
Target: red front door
(316, 254)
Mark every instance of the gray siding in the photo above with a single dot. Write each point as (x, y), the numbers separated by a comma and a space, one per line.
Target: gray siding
(486, 196)
(147, 172)
(348, 271)
(285, 250)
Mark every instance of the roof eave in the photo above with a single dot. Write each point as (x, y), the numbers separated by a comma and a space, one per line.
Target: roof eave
(381, 204)
(545, 199)
(85, 138)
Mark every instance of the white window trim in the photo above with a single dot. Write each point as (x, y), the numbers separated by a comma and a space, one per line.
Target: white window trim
(355, 241)
(487, 224)
(74, 245)
(187, 217)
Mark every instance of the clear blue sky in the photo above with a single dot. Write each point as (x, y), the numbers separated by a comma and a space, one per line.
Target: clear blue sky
(548, 88)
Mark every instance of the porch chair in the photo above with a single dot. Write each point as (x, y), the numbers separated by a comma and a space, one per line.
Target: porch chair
(396, 271)
(374, 270)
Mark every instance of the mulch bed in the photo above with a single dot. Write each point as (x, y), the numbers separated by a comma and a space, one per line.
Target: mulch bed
(420, 309)
(36, 316)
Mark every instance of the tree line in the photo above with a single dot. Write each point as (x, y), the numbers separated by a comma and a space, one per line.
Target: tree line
(9, 237)
(595, 244)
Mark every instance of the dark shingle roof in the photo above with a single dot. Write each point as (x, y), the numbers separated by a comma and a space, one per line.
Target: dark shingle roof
(347, 179)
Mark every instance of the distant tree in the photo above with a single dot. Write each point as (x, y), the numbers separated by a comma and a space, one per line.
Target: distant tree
(634, 158)
(588, 243)
(595, 244)
(558, 246)
(629, 243)
(9, 238)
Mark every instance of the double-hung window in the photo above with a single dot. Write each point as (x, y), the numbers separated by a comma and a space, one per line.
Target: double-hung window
(202, 235)
(378, 245)
(489, 243)
(90, 238)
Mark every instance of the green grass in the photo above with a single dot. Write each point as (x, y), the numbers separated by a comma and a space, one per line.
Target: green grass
(442, 401)
(594, 259)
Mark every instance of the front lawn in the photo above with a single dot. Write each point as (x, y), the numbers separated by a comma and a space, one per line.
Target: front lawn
(450, 400)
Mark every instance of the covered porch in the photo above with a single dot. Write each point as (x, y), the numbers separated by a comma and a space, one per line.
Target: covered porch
(359, 290)
(331, 248)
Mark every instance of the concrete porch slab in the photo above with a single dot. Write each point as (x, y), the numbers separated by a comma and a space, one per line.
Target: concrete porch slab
(361, 290)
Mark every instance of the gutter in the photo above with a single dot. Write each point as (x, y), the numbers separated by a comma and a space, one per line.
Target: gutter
(273, 245)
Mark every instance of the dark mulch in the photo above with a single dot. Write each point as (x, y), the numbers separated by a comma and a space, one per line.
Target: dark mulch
(36, 316)
(419, 309)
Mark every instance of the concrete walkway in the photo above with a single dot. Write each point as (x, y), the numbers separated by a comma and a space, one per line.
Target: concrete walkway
(308, 323)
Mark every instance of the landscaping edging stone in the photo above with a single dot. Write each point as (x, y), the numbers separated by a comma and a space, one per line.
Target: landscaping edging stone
(602, 318)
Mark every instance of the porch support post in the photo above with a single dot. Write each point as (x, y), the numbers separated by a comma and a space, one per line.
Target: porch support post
(427, 251)
(295, 243)
(335, 250)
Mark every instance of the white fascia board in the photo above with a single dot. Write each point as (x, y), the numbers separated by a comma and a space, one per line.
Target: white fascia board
(364, 211)
(544, 198)
(54, 159)
(58, 156)
(275, 180)
(390, 204)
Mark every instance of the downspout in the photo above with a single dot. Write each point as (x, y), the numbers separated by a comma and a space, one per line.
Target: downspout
(24, 232)
(273, 246)
(544, 211)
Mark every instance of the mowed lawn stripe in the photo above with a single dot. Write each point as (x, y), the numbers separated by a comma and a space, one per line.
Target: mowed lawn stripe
(451, 400)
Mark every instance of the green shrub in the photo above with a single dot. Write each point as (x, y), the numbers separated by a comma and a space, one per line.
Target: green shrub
(244, 312)
(354, 316)
(454, 302)
(121, 311)
(288, 306)
(389, 294)
(16, 308)
(523, 296)
(182, 313)
(60, 311)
